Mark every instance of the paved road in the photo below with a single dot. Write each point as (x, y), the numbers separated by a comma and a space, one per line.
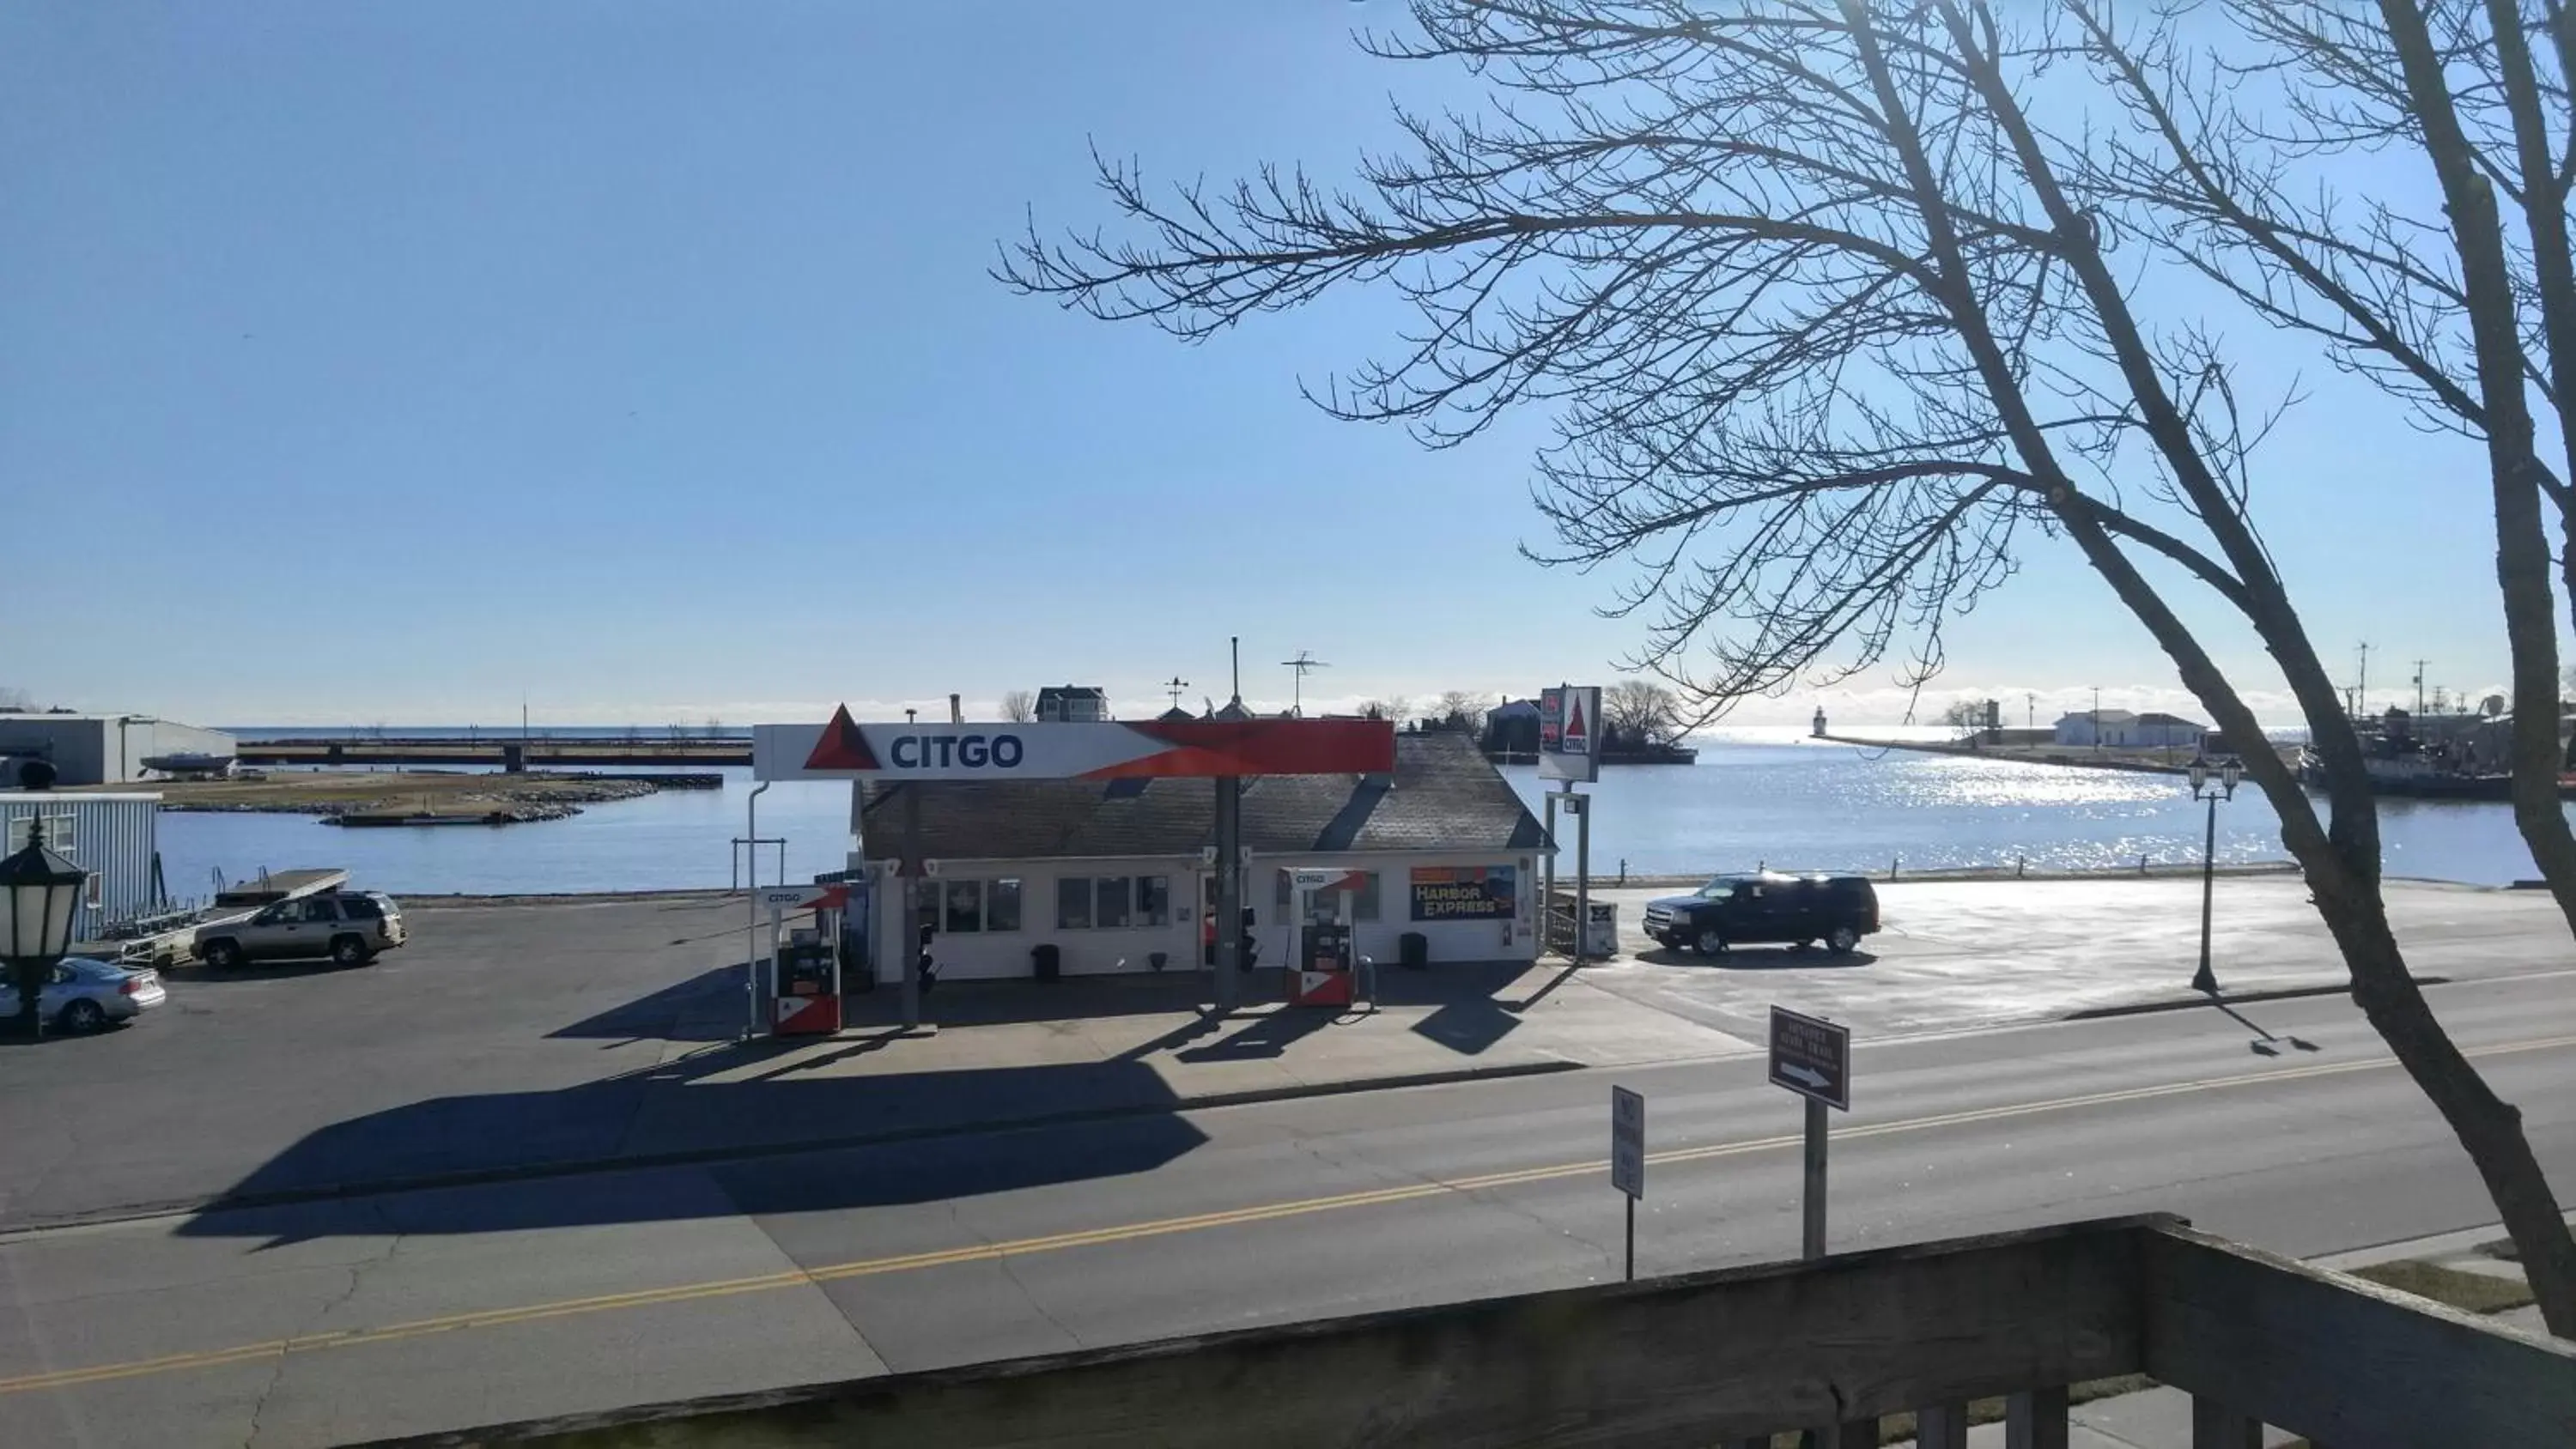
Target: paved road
(2284, 1126)
(509, 1036)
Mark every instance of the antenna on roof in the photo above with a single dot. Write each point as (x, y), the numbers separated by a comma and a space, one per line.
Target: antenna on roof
(1234, 647)
(1304, 664)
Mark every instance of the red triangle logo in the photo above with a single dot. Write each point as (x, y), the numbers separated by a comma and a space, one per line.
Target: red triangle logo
(843, 746)
(1574, 716)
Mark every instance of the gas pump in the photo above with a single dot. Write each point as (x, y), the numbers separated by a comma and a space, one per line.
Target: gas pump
(805, 975)
(1321, 975)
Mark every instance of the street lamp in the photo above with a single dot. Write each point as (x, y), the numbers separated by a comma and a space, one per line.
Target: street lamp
(2213, 791)
(40, 895)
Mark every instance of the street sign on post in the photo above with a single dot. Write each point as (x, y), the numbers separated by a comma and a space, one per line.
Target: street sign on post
(1628, 1158)
(1812, 1057)
(1628, 1142)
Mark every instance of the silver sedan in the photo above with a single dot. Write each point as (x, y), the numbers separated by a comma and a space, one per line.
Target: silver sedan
(85, 994)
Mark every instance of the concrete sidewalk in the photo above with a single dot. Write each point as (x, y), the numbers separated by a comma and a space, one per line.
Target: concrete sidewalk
(992, 1054)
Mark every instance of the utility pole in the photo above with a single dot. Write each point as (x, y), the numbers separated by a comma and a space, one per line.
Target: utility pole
(1304, 664)
(2030, 711)
(2097, 719)
(2364, 688)
(2419, 684)
(1229, 862)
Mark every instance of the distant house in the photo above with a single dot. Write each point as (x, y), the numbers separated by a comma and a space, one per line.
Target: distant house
(2168, 731)
(1072, 704)
(1511, 728)
(2119, 729)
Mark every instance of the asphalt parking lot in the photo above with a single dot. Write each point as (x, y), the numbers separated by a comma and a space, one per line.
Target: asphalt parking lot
(236, 1067)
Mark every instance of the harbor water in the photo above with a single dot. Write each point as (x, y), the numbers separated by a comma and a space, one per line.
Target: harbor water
(1756, 797)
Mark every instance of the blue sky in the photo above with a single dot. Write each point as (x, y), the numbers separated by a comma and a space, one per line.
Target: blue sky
(397, 362)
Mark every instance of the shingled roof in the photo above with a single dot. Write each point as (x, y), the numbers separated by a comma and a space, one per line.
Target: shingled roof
(1443, 796)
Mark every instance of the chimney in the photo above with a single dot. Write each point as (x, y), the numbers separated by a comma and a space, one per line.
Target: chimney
(956, 713)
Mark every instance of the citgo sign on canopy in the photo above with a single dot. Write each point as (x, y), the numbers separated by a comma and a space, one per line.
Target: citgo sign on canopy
(843, 749)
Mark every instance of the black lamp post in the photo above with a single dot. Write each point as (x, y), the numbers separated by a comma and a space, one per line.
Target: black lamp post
(2213, 791)
(40, 895)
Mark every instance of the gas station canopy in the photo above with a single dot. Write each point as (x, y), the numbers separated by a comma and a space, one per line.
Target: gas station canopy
(843, 749)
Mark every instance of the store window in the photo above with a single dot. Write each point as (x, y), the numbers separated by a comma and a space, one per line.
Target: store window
(1001, 905)
(1073, 903)
(1153, 900)
(1115, 900)
(962, 906)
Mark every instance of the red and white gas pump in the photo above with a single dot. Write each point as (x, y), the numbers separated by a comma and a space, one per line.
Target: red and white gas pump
(1322, 971)
(805, 982)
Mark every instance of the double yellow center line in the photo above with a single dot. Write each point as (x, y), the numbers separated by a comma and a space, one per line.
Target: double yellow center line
(1162, 1227)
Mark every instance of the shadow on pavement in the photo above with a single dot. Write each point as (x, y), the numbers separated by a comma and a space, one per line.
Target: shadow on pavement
(1259, 1038)
(768, 1139)
(2265, 1044)
(772, 1115)
(705, 1007)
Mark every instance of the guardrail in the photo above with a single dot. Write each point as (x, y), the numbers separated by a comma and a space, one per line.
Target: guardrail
(1727, 1358)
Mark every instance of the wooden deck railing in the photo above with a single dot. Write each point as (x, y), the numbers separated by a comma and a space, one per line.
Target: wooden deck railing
(1726, 1358)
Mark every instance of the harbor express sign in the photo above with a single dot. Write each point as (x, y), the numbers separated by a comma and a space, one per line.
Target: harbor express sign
(1466, 893)
(843, 749)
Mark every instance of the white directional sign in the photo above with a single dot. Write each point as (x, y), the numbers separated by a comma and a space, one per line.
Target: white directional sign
(1628, 1141)
(1811, 1057)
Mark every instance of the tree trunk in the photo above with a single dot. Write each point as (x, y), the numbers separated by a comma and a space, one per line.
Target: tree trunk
(2488, 1126)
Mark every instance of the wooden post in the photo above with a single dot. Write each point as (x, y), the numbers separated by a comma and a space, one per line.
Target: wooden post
(1942, 1426)
(2036, 1419)
(1855, 1434)
(2216, 1426)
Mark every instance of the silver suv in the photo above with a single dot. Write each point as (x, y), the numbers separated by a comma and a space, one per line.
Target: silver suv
(350, 927)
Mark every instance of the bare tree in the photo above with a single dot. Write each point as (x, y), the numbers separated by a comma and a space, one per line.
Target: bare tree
(1964, 718)
(1826, 318)
(1393, 707)
(2468, 314)
(14, 700)
(1019, 706)
(1461, 710)
(1640, 712)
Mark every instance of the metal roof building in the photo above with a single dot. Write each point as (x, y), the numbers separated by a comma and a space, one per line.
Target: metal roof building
(112, 836)
(99, 749)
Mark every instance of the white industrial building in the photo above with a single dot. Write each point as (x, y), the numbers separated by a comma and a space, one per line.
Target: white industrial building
(112, 836)
(2121, 729)
(102, 749)
(1112, 872)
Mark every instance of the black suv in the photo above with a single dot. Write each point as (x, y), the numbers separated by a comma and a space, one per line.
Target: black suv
(1735, 910)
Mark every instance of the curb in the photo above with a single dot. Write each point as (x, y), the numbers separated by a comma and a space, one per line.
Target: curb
(698, 1156)
(2240, 998)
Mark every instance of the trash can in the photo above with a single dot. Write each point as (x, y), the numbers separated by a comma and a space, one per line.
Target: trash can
(1045, 962)
(1413, 950)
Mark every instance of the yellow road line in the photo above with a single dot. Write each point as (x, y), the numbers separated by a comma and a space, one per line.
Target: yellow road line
(1162, 1227)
